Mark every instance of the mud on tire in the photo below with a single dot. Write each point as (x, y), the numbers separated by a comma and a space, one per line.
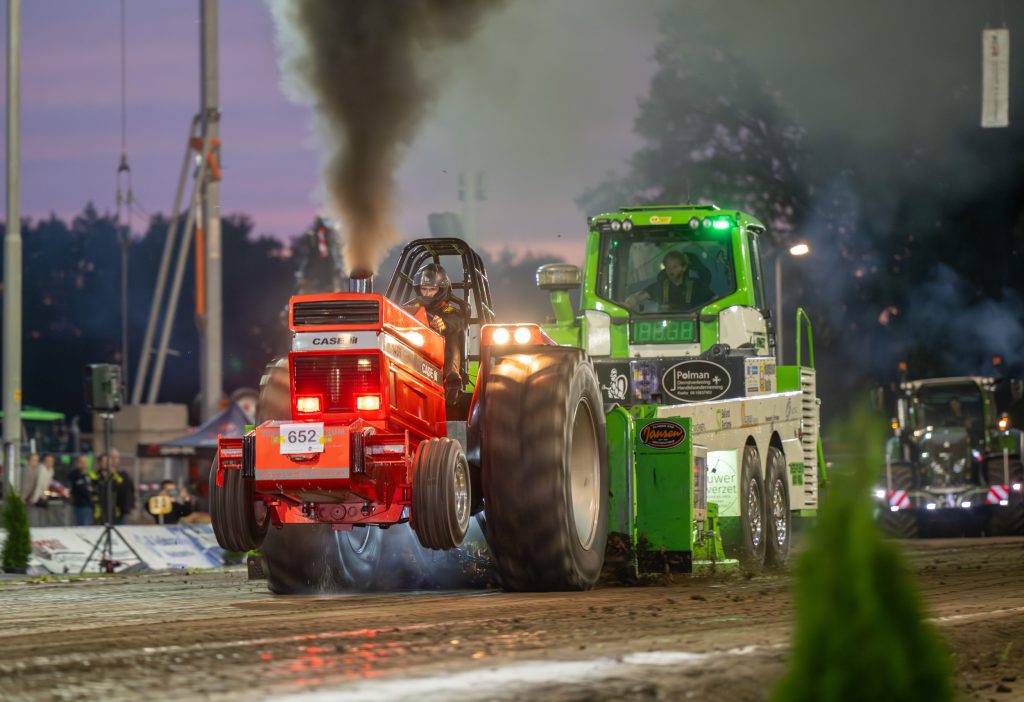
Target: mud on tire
(544, 470)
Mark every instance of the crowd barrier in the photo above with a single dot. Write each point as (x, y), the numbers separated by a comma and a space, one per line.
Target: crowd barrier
(63, 550)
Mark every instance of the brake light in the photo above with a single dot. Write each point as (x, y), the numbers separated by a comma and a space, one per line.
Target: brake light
(368, 403)
(309, 404)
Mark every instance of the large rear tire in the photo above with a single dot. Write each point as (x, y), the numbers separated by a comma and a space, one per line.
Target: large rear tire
(545, 476)
(304, 559)
(1006, 520)
(779, 517)
(361, 551)
(275, 392)
(902, 524)
(441, 494)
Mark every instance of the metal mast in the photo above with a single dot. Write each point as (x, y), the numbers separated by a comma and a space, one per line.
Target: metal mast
(12, 254)
(210, 321)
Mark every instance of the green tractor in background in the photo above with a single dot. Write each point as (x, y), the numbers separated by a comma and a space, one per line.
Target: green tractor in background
(953, 461)
(711, 444)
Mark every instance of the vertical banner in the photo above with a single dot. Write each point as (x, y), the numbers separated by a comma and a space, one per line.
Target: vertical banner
(995, 78)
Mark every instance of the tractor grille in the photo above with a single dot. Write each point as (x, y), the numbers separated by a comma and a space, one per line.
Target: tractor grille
(338, 379)
(334, 312)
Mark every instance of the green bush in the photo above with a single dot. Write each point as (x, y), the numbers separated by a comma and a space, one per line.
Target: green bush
(18, 545)
(860, 630)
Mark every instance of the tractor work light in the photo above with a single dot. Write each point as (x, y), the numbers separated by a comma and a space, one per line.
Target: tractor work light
(309, 404)
(368, 403)
(930, 505)
(880, 494)
(1016, 487)
(694, 223)
(616, 225)
(522, 334)
(627, 225)
(966, 504)
(1004, 423)
(1003, 503)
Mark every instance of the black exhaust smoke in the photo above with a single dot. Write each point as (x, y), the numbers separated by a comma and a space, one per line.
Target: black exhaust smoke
(358, 63)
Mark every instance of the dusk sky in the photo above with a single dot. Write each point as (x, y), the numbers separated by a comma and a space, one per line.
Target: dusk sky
(513, 103)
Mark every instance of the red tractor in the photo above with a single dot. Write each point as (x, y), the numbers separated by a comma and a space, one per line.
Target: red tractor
(364, 439)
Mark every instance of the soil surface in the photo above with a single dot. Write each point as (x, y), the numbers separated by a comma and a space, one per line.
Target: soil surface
(217, 635)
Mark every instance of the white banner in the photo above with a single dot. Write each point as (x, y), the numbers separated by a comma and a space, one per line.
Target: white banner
(61, 550)
(995, 78)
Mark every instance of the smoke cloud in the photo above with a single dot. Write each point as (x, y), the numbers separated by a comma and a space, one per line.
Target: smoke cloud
(360, 64)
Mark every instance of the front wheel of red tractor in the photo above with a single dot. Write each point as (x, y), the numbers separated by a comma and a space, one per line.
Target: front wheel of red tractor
(545, 473)
(440, 493)
(239, 519)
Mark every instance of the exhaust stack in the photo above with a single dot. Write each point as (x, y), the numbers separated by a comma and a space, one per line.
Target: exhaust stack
(360, 281)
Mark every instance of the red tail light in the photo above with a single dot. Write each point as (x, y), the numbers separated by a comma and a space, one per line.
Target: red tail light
(368, 403)
(307, 404)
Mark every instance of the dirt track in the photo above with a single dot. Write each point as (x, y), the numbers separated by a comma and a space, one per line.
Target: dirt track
(218, 636)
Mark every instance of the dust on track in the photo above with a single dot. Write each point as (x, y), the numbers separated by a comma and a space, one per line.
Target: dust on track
(215, 635)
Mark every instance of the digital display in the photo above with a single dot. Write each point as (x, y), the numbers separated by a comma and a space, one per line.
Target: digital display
(667, 331)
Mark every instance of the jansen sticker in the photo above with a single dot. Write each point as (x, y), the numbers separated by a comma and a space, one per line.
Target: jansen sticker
(695, 381)
(664, 434)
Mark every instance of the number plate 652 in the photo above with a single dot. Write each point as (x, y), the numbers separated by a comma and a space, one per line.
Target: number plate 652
(304, 437)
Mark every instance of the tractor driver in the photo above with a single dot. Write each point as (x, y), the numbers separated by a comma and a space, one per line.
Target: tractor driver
(681, 284)
(433, 294)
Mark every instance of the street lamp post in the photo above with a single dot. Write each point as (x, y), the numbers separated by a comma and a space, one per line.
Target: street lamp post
(12, 255)
(795, 250)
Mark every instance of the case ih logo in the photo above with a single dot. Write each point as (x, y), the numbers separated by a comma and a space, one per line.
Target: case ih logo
(662, 435)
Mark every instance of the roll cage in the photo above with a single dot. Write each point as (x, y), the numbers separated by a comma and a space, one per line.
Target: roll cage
(470, 289)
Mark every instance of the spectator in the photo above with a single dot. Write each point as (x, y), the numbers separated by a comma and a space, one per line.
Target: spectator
(124, 488)
(29, 475)
(81, 491)
(182, 505)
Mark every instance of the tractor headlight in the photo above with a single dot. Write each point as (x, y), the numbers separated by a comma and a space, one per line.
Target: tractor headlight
(501, 336)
